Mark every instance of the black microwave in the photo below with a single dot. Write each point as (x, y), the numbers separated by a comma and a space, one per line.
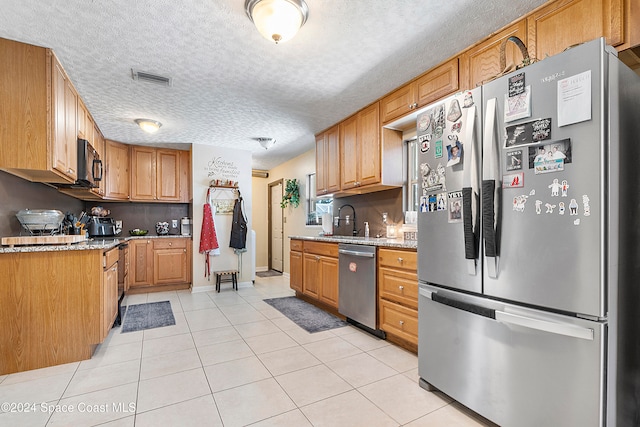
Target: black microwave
(89, 165)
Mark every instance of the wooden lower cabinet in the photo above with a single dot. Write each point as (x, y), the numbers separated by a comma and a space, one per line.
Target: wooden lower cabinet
(314, 270)
(171, 261)
(295, 265)
(109, 300)
(398, 295)
(52, 303)
(159, 262)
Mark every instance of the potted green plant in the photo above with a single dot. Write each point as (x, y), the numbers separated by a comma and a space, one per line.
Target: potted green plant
(291, 194)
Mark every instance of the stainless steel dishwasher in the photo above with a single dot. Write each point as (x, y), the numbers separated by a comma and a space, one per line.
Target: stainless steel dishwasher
(357, 286)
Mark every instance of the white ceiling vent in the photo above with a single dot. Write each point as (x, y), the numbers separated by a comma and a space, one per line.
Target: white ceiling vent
(143, 76)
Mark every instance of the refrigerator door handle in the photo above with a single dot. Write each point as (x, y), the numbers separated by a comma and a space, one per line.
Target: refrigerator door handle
(490, 188)
(470, 195)
(545, 325)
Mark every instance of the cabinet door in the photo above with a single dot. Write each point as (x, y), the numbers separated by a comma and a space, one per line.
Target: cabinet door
(438, 83)
(143, 173)
(185, 176)
(328, 161)
(141, 267)
(295, 267)
(482, 62)
(398, 103)
(99, 145)
(564, 23)
(116, 170)
(321, 164)
(168, 175)
(65, 146)
(109, 305)
(349, 150)
(332, 159)
(369, 150)
(171, 261)
(329, 281)
(311, 272)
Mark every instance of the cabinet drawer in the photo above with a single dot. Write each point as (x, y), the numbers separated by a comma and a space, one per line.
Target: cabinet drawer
(398, 285)
(398, 259)
(296, 245)
(398, 320)
(321, 248)
(110, 258)
(169, 243)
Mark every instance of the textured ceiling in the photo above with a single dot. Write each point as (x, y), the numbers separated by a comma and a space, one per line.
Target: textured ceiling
(229, 84)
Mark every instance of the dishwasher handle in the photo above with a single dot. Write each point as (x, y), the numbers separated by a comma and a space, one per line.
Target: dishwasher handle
(357, 253)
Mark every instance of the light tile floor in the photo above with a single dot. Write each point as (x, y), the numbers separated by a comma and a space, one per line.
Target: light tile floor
(232, 360)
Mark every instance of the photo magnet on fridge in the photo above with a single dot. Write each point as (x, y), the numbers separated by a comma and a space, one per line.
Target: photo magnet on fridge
(454, 151)
(455, 206)
(527, 133)
(550, 157)
(514, 160)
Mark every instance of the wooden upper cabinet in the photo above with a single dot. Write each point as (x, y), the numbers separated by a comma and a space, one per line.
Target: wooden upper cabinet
(86, 127)
(369, 151)
(116, 170)
(168, 175)
(360, 148)
(438, 83)
(143, 173)
(155, 174)
(65, 143)
(349, 150)
(431, 86)
(38, 106)
(328, 161)
(565, 23)
(399, 102)
(482, 61)
(185, 176)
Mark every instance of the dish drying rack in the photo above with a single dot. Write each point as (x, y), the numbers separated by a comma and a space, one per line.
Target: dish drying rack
(41, 229)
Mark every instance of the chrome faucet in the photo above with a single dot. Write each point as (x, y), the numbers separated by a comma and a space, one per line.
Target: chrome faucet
(346, 219)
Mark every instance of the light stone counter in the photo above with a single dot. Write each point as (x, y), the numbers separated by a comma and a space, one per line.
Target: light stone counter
(94, 243)
(370, 241)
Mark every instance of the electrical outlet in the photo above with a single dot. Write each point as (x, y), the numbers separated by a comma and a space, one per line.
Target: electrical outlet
(174, 223)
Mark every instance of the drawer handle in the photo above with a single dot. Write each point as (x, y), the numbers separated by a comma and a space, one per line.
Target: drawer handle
(401, 322)
(170, 243)
(400, 260)
(401, 287)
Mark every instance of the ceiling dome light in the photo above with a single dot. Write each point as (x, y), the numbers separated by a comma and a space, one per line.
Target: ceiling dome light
(148, 125)
(266, 142)
(277, 20)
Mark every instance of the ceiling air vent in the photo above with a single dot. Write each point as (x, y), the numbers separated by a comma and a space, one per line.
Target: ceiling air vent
(143, 76)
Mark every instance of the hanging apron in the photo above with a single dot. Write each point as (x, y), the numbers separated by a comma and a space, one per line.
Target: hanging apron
(208, 237)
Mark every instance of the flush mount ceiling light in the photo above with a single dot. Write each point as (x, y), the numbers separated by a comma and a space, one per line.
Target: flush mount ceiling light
(266, 142)
(148, 125)
(277, 20)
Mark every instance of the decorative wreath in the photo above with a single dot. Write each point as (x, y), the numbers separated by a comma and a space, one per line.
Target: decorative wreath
(291, 194)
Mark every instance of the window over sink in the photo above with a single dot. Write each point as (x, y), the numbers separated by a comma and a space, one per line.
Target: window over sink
(316, 207)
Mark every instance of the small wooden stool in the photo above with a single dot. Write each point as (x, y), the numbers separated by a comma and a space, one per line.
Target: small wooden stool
(220, 274)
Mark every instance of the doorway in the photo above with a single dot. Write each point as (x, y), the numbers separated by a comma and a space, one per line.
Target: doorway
(276, 227)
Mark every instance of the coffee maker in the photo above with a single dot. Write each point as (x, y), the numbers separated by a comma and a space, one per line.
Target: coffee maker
(185, 226)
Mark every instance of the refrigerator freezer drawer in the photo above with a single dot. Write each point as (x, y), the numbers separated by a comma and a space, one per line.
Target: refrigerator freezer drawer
(511, 369)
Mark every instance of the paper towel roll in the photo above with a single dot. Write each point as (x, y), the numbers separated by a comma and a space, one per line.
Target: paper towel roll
(327, 224)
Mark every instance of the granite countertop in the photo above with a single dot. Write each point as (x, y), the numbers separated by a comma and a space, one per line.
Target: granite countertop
(370, 241)
(94, 243)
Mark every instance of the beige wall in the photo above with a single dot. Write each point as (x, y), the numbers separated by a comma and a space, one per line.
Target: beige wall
(295, 218)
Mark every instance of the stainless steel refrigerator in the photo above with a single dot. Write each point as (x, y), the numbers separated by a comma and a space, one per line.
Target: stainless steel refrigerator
(529, 233)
